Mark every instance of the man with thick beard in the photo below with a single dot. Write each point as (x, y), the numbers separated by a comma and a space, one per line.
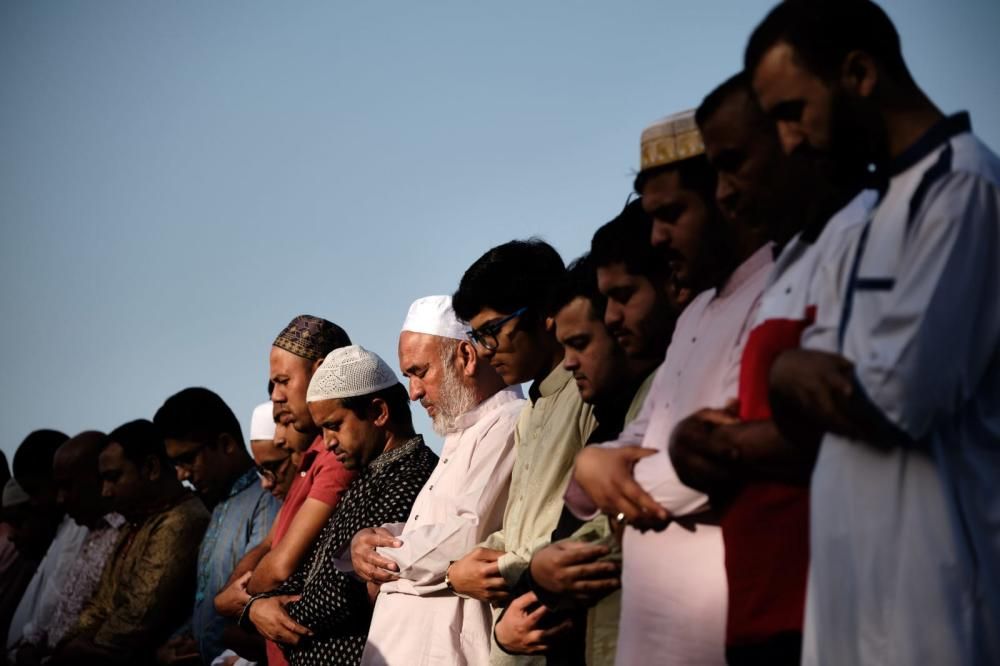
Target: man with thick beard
(417, 614)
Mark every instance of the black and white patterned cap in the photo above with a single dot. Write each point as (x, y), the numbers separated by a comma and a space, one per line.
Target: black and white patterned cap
(348, 372)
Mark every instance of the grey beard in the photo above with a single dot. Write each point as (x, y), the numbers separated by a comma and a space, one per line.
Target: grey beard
(454, 400)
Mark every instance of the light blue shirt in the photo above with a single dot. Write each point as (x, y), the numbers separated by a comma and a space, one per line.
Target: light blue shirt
(239, 523)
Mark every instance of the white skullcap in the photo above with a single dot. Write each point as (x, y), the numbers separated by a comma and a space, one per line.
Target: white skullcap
(13, 494)
(348, 372)
(262, 422)
(433, 315)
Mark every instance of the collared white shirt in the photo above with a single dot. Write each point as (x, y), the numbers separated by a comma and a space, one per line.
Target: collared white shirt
(905, 537)
(674, 581)
(417, 620)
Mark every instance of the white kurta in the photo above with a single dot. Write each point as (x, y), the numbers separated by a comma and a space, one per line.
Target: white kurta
(905, 539)
(417, 620)
(46, 587)
(674, 592)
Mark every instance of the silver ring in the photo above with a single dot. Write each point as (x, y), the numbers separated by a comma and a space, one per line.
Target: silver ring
(620, 517)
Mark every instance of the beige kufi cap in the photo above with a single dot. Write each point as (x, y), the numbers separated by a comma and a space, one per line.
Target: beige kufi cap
(669, 140)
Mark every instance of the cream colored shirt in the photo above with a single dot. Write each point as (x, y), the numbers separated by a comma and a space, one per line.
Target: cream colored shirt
(550, 431)
(417, 620)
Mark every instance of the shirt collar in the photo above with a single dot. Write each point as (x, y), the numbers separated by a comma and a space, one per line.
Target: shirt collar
(758, 260)
(495, 401)
(247, 479)
(309, 456)
(388, 457)
(553, 383)
(940, 132)
(113, 520)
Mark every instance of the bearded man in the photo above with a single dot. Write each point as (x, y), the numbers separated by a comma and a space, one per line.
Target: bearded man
(417, 614)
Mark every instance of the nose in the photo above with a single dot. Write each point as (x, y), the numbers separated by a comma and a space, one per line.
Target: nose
(183, 473)
(613, 315)
(791, 136)
(278, 394)
(329, 439)
(570, 360)
(106, 490)
(725, 193)
(416, 389)
(660, 235)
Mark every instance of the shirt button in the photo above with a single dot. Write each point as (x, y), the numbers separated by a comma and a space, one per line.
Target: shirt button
(416, 517)
(430, 488)
(445, 460)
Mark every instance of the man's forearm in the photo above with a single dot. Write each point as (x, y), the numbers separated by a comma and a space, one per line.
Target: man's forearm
(764, 454)
(250, 561)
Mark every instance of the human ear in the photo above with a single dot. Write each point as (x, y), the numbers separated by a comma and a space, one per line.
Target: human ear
(466, 354)
(152, 467)
(379, 410)
(226, 442)
(859, 74)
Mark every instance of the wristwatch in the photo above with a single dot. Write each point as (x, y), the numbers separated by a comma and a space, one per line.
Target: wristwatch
(447, 581)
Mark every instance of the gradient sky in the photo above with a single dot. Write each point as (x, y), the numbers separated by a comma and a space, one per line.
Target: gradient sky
(179, 179)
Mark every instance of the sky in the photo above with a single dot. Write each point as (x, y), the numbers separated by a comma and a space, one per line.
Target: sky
(180, 179)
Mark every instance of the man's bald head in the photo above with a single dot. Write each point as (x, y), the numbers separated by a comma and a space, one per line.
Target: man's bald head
(77, 481)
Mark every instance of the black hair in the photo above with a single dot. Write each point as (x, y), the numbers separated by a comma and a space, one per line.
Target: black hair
(33, 458)
(626, 240)
(696, 174)
(4, 469)
(270, 388)
(738, 83)
(823, 32)
(140, 439)
(199, 415)
(509, 277)
(579, 281)
(396, 399)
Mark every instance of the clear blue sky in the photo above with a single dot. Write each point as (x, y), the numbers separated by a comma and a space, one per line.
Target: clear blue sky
(179, 179)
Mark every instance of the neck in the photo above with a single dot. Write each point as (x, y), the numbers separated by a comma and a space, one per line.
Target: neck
(553, 359)
(396, 437)
(486, 385)
(907, 119)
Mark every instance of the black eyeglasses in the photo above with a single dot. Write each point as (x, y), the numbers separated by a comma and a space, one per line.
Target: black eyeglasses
(268, 471)
(486, 336)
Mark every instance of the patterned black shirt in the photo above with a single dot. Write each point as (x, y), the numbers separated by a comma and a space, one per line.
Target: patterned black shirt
(335, 605)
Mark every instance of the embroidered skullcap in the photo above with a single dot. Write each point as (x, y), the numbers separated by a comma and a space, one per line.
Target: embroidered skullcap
(311, 337)
(262, 422)
(13, 494)
(669, 140)
(348, 372)
(433, 315)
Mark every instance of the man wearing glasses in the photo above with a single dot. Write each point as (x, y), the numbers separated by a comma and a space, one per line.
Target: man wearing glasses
(205, 443)
(275, 465)
(504, 297)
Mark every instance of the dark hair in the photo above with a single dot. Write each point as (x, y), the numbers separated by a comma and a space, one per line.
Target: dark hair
(33, 458)
(509, 277)
(140, 439)
(199, 415)
(823, 32)
(696, 174)
(626, 240)
(4, 469)
(395, 397)
(270, 388)
(738, 83)
(579, 281)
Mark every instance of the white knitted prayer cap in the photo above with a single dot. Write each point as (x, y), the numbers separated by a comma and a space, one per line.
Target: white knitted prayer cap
(262, 422)
(433, 315)
(348, 372)
(13, 494)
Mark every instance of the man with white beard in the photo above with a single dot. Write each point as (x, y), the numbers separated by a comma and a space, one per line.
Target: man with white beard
(418, 618)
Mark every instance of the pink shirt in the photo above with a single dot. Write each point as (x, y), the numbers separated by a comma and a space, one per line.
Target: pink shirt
(674, 590)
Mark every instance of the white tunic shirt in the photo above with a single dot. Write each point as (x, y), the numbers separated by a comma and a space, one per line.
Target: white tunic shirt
(417, 620)
(905, 538)
(674, 581)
